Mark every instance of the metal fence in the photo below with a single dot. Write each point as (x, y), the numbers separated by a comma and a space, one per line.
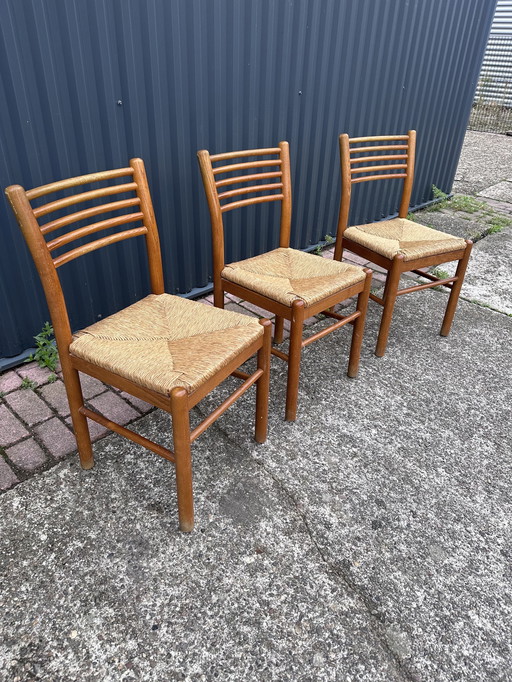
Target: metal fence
(87, 84)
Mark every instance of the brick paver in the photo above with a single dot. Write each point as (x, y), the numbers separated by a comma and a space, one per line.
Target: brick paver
(113, 407)
(7, 475)
(141, 405)
(55, 394)
(9, 382)
(96, 431)
(35, 373)
(11, 429)
(28, 406)
(91, 386)
(26, 455)
(59, 440)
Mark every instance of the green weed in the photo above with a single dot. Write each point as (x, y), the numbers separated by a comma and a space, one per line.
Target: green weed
(46, 354)
(28, 383)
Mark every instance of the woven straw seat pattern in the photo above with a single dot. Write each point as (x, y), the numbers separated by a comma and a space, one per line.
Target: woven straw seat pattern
(285, 275)
(165, 341)
(405, 237)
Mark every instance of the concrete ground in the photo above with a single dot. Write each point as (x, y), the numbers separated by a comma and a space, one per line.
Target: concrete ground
(369, 540)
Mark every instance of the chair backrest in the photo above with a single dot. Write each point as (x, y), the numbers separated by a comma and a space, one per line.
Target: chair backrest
(372, 158)
(36, 233)
(275, 167)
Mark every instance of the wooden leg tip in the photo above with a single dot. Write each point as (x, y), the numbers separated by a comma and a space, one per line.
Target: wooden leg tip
(89, 464)
(186, 526)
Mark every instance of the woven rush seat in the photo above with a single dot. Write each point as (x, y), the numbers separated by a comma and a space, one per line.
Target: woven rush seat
(163, 341)
(405, 237)
(285, 275)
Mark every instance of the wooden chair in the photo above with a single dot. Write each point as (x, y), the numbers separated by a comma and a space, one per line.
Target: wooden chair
(398, 245)
(291, 284)
(166, 350)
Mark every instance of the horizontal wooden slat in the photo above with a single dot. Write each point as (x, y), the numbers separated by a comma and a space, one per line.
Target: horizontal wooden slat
(88, 213)
(246, 178)
(248, 202)
(378, 138)
(369, 169)
(128, 433)
(249, 164)
(91, 229)
(384, 157)
(98, 244)
(79, 180)
(219, 411)
(252, 188)
(84, 196)
(379, 177)
(245, 152)
(378, 148)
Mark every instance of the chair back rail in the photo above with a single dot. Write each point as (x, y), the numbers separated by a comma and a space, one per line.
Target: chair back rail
(35, 232)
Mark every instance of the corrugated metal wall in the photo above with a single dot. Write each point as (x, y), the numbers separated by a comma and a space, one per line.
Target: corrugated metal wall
(87, 84)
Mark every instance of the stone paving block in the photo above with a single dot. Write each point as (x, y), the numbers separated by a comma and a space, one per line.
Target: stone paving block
(501, 191)
(11, 429)
(236, 308)
(7, 475)
(232, 297)
(9, 382)
(28, 405)
(55, 394)
(113, 407)
(96, 430)
(91, 386)
(379, 277)
(354, 258)
(26, 455)
(59, 440)
(260, 312)
(204, 300)
(33, 372)
(141, 405)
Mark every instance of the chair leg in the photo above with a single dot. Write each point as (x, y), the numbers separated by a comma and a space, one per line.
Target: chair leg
(183, 461)
(454, 294)
(278, 329)
(292, 387)
(391, 289)
(218, 295)
(263, 384)
(358, 331)
(80, 425)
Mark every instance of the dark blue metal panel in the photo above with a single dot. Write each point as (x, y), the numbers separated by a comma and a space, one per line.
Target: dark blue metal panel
(87, 84)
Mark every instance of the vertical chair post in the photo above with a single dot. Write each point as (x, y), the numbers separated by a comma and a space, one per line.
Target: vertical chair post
(79, 421)
(391, 289)
(292, 386)
(182, 454)
(456, 287)
(358, 331)
(263, 384)
(278, 329)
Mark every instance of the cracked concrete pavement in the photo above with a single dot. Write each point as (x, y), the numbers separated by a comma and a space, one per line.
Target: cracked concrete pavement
(370, 540)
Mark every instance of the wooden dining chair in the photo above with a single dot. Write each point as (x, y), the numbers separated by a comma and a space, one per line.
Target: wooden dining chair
(166, 350)
(289, 283)
(399, 245)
